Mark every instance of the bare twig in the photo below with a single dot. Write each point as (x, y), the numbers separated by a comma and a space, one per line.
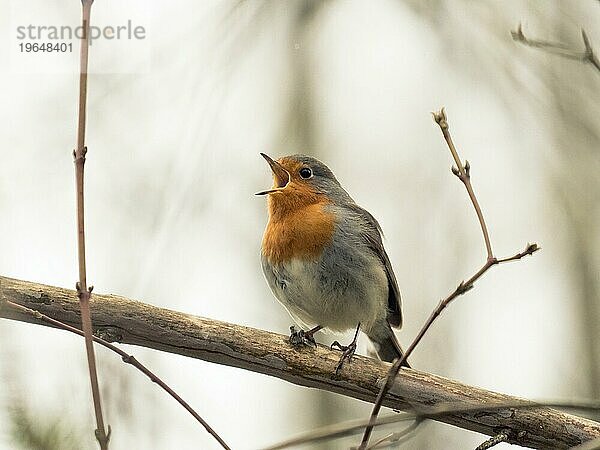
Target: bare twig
(127, 358)
(385, 440)
(351, 427)
(83, 292)
(381, 442)
(463, 173)
(397, 438)
(494, 440)
(586, 56)
(128, 321)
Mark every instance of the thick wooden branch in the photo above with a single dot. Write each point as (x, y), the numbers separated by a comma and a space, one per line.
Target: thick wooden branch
(131, 322)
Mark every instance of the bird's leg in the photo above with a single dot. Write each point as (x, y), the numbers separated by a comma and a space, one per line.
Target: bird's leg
(301, 337)
(348, 350)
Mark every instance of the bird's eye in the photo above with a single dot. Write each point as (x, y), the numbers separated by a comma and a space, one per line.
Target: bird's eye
(305, 173)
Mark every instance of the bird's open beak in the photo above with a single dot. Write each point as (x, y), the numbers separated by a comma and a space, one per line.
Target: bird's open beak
(281, 177)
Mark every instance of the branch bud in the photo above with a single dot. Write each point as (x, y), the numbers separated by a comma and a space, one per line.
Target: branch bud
(440, 119)
(532, 248)
(518, 35)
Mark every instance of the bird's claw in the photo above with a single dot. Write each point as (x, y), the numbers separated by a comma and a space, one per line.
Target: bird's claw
(347, 354)
(301, 338)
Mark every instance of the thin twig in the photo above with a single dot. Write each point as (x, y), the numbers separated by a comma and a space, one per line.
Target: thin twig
(494, 440)
(555, 48)
(463, 173)
(127, 358)
(351, 427)
(83, 292)
(397, 438)
(383, 441)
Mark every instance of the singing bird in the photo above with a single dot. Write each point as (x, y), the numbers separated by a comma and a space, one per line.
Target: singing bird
(323, 258)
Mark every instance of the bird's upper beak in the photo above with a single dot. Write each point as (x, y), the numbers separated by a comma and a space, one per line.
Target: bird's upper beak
(281, 177)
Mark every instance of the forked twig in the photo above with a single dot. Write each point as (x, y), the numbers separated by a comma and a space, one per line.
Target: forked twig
(586, 56)
(127, 358)
(463, 173)
(83, 292)
(351, 427)
(399, 437)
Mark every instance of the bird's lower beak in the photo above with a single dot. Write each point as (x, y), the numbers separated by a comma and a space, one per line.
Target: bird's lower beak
(281, 177)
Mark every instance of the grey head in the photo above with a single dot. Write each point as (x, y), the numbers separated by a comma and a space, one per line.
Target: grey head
(305, 171)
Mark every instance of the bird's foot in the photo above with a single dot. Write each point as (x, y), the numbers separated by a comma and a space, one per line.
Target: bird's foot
(347, 353)
(302, 338)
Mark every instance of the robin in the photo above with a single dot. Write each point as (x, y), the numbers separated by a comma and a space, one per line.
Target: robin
(324, 260)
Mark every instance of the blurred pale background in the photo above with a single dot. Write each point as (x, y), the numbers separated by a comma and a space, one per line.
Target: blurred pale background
(174, 134)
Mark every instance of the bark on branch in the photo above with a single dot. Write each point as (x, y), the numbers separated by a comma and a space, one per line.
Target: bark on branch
(127, 321)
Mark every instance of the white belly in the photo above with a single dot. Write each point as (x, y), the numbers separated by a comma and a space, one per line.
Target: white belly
(336, 299)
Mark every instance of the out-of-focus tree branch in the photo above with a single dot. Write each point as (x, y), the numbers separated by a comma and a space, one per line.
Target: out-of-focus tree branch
(586, 56)
(127, 321)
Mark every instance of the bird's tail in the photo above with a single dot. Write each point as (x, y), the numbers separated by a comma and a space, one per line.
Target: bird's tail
(387, 346)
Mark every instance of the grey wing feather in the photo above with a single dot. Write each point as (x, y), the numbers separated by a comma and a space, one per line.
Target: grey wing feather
(373, 236)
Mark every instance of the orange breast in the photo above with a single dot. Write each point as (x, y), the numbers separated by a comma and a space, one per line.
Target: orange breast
(298, 233)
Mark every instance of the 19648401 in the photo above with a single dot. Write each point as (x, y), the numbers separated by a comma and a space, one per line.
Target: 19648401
(46, 47)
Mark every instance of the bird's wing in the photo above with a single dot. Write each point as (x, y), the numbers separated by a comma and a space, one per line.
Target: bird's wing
(373, 235)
